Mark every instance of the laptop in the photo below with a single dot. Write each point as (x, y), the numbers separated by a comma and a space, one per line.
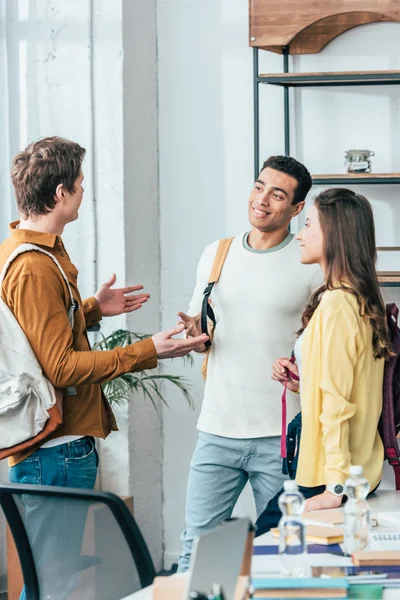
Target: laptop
(217, 558)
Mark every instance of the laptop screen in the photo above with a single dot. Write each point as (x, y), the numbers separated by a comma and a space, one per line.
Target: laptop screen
(217, 558)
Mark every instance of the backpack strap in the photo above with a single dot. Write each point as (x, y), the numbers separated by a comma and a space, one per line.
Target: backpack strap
(284, 410)
(394, 461)
(206, 309)
(32, 247)
(388, 424)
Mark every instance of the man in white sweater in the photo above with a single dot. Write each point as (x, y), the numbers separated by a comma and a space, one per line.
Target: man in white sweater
(258, 302)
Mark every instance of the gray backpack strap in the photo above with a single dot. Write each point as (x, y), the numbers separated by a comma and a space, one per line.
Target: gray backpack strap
(29, 248)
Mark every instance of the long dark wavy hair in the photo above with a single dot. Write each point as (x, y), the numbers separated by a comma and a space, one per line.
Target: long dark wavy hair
(349, 249)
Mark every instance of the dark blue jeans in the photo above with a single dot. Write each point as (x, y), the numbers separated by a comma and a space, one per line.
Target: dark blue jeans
(270, 517)
(55, 527)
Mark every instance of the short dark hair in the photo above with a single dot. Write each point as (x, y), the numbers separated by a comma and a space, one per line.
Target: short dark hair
(291, 166)
(40, 168)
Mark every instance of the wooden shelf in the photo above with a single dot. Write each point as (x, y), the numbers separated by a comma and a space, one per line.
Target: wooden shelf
(388, 248)
(342, 78)
(307, 26)
(389, 278)
(358, 178)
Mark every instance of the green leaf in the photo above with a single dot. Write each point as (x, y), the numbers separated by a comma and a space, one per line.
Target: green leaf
(119, 390)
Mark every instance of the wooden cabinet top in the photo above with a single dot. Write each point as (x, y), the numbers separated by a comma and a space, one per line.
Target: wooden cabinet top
(306, 26)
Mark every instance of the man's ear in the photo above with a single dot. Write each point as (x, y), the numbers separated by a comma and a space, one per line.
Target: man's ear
(298, 208)
(60, 193)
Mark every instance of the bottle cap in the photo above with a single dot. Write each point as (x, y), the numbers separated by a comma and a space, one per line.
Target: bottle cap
(356, 470)
(290, 486)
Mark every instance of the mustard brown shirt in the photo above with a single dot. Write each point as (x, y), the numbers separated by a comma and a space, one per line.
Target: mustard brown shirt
(37, 294)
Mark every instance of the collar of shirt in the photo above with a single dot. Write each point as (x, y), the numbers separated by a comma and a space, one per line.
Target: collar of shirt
(27, 236)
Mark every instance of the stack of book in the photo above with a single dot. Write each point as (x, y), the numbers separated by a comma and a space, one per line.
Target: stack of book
(322, 527)
(307, 587)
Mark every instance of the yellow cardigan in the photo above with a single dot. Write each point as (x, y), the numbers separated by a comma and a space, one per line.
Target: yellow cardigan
(341, 395)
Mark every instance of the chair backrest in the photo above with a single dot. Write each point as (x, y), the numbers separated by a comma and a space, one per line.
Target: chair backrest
(75, 543)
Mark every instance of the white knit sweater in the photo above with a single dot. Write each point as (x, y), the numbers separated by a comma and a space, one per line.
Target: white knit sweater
(258, 303)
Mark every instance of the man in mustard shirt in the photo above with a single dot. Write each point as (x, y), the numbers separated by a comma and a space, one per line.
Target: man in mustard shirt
(47, 179)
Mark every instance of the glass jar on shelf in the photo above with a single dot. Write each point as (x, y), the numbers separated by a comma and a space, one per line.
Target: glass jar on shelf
(358, 161)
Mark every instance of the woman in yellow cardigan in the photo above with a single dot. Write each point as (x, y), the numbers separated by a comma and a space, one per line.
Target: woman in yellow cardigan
(340, 354)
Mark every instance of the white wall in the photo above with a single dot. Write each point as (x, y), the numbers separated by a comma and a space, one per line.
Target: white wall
(86, 70)
(206, 161)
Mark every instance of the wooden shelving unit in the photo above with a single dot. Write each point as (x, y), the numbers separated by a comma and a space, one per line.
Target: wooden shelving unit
(306, 27)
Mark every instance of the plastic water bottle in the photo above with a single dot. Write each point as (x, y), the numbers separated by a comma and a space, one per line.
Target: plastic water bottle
(356, 512)
(292, 538)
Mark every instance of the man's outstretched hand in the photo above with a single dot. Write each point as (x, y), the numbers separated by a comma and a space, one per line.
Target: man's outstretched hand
(192, 327)
(170, 347)
(117, 301)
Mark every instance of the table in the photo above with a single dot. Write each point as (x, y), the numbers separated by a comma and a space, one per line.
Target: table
(381, 501)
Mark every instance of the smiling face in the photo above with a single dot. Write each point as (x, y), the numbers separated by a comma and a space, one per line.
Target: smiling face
(311, 239)
(270, 202)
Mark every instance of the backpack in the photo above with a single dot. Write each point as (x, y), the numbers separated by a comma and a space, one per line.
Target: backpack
(30, 407)
(207, 313)
(389, 424)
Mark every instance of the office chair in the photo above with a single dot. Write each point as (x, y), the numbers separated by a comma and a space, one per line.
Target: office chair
(75, 543)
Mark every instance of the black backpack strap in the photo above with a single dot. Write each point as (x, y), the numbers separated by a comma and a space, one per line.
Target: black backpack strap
(207, 313)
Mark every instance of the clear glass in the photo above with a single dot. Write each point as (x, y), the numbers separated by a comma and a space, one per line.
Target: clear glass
(357, 521)
(292, 538)
(358, 161)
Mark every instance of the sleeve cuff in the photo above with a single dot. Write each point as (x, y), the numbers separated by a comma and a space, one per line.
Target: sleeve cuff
(144, 354)
(333, 476)
(92, 311)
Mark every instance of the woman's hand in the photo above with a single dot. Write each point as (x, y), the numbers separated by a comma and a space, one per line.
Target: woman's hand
(280, 370)
(322, 501)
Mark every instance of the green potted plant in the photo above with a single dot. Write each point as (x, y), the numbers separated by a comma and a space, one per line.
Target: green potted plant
(119, 390)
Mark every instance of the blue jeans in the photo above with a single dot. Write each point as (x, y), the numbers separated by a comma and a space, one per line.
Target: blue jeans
(219, 470)
(48, 521)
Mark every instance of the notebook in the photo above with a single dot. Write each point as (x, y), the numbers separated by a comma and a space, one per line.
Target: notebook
(389, 540)
(376, 558)
(318, 534)
(389, 518)
(292, 587)
(330, 516)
